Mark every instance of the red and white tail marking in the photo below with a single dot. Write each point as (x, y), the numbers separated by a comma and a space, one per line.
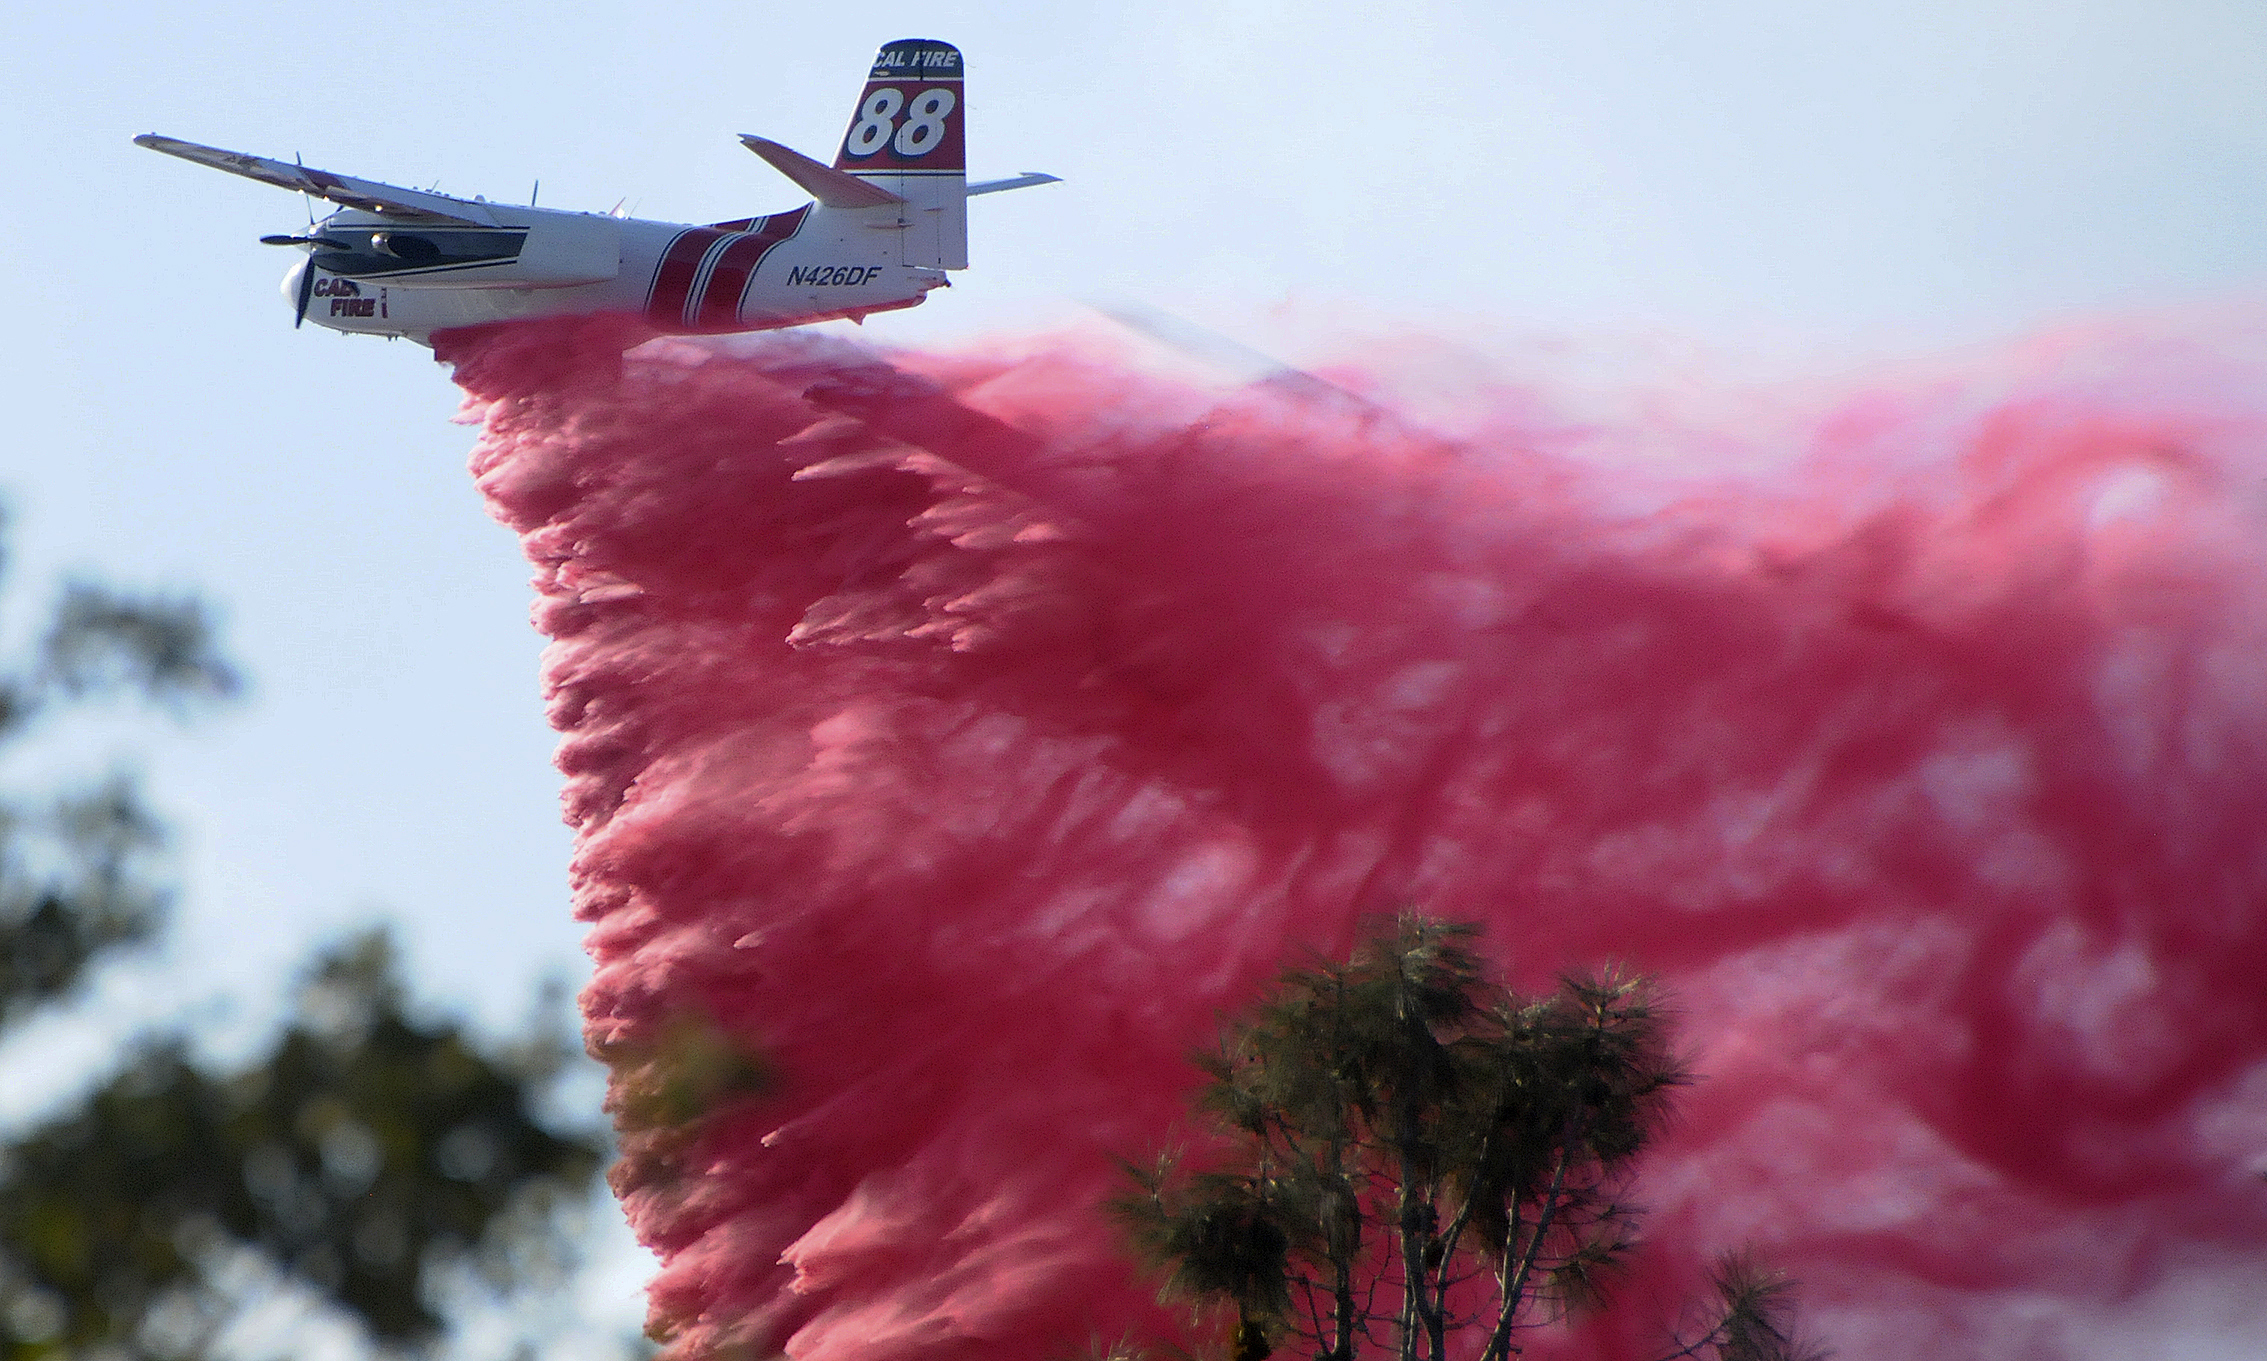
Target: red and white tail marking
(909, 118)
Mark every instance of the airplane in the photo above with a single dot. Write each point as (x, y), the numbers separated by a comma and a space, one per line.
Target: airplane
(888, 219)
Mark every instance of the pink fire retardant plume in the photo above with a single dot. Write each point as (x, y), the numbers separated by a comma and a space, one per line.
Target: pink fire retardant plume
(968, 745)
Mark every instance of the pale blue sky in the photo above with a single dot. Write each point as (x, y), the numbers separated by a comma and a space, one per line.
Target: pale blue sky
(1911, 175)
(1895, 174)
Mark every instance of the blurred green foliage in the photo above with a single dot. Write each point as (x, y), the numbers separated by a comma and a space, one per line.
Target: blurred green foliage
(358, 1156)
(75, 877)
(365, 1159)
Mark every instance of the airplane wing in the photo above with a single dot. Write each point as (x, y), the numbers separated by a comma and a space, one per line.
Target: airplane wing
(368, 195)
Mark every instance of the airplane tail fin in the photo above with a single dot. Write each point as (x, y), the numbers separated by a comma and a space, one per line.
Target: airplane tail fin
(905, 138)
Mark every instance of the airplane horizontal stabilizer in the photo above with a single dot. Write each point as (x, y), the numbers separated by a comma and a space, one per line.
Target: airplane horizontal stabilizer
(1022, 181)
(822, 182)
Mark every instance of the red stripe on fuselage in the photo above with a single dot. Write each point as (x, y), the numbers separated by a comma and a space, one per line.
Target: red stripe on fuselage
(719, 308)
(673, 278)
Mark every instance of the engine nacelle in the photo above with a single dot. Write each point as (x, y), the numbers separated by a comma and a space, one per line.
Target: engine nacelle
(544, 250)
(418, 250)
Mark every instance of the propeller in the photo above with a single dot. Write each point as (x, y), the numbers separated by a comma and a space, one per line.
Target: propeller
(312, 238)
(306, 293)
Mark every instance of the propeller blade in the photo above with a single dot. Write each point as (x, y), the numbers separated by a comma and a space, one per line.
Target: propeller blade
(306, 293)
(326, 242)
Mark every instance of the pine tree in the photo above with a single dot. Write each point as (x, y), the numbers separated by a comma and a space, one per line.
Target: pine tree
(1412, 1159)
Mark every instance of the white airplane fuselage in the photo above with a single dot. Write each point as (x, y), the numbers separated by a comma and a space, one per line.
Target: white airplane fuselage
(809, 264)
